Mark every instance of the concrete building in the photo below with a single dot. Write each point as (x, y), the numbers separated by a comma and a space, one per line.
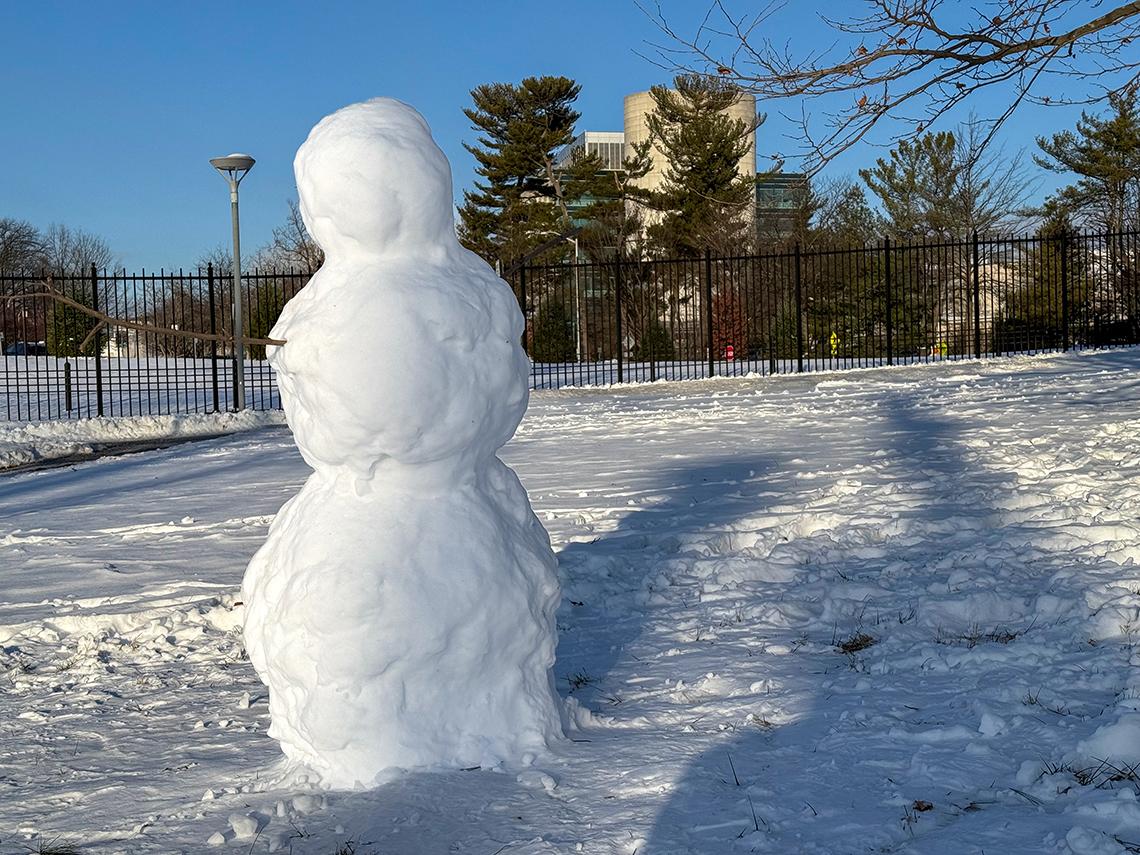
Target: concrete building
(608, 145)
(614, 146)
(640, 105)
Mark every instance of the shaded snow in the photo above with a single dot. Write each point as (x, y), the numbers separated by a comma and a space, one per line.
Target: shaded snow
(891, 613)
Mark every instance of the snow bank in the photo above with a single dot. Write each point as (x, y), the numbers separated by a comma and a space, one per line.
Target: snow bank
(22, 443)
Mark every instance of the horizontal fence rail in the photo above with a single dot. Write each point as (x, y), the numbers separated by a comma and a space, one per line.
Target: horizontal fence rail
(594, 323)
(827, 309)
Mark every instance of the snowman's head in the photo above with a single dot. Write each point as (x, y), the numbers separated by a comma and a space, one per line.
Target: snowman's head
(372, 181)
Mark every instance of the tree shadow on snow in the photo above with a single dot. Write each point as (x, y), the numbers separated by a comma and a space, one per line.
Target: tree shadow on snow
(610, 582)
(799, 768)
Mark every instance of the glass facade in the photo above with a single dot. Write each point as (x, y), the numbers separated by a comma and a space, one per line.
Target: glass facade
(777, 197)
(607, 145)
(611, 153)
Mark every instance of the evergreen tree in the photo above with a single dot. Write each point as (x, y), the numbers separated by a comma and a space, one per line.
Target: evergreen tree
(839, 215)
(553, 334)
(849, 219)
(1032, 315)
(610, 202)
(947, 184)
(520, 199)
(654, 344)
(1104, 152)
(915, 184)
(705, 201)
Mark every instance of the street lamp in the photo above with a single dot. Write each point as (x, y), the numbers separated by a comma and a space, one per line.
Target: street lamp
(234, 168)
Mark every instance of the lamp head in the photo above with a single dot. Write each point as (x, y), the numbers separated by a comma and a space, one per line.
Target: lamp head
(233, 166)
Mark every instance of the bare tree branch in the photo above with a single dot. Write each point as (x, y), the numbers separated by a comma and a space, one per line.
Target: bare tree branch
(925, 54)
(49, 292)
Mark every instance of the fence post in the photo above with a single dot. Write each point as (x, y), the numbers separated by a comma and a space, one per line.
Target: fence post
(1064, 291)
(213, 331)
(618, 327)
(977, 300)
(709, 310)
(888, 290)
(97, 343)
(522, 302)
(799, 313)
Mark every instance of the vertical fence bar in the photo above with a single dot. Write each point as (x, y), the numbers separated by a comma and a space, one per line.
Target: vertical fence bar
(799, 311)
(887, 300)
(213, 331)
(522, 302)
(977, 300)
(709, 310)
(1064, 291)
(97, 343)
(617, 320)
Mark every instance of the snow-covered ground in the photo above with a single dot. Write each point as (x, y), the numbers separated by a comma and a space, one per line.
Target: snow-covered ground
(887, 611)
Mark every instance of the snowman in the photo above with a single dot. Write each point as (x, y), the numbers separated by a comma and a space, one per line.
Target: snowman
(401, 611)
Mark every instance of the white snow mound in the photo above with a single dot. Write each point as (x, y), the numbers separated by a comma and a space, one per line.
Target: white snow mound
(402, 609)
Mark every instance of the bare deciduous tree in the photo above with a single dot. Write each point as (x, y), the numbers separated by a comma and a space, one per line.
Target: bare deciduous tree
(21, 247)
(949, 183)
(292, 246)
(72, 251)
(915, 60)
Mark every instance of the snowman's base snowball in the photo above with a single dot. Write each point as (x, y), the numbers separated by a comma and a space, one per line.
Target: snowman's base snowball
(397, 628)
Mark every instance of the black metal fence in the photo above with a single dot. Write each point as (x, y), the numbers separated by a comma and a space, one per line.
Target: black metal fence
(60, 362)
(594, 324)
(828, 309)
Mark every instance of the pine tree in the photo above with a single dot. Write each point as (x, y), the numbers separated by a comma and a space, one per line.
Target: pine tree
(948, 184)
(916, 183)
(844, 217)
(1104, 152)
(1032, 315)
(521, 200)
(610, 202)
(553, 334)
(705, 201)
(654, 344)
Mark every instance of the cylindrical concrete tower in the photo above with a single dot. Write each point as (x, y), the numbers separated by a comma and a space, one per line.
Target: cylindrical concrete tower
(639, 105)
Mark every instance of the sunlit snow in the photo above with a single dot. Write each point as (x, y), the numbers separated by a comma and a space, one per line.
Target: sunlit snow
(887, 611)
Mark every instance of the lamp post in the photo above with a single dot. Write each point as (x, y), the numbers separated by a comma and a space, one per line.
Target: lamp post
(234, 168)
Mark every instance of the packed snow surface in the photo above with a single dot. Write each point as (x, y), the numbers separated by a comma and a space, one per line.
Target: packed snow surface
(891, 611)
(402, 609)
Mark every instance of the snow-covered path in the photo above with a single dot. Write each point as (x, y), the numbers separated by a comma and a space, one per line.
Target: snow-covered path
(869, 612)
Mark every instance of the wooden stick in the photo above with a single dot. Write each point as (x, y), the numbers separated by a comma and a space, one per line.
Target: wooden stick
(106, 320)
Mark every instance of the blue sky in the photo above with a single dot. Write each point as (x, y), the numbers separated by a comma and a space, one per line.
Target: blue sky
(112, 109)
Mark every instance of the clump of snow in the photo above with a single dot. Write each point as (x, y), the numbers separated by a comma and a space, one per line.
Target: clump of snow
(244, 825)
(1117, 743)
(402, 609)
